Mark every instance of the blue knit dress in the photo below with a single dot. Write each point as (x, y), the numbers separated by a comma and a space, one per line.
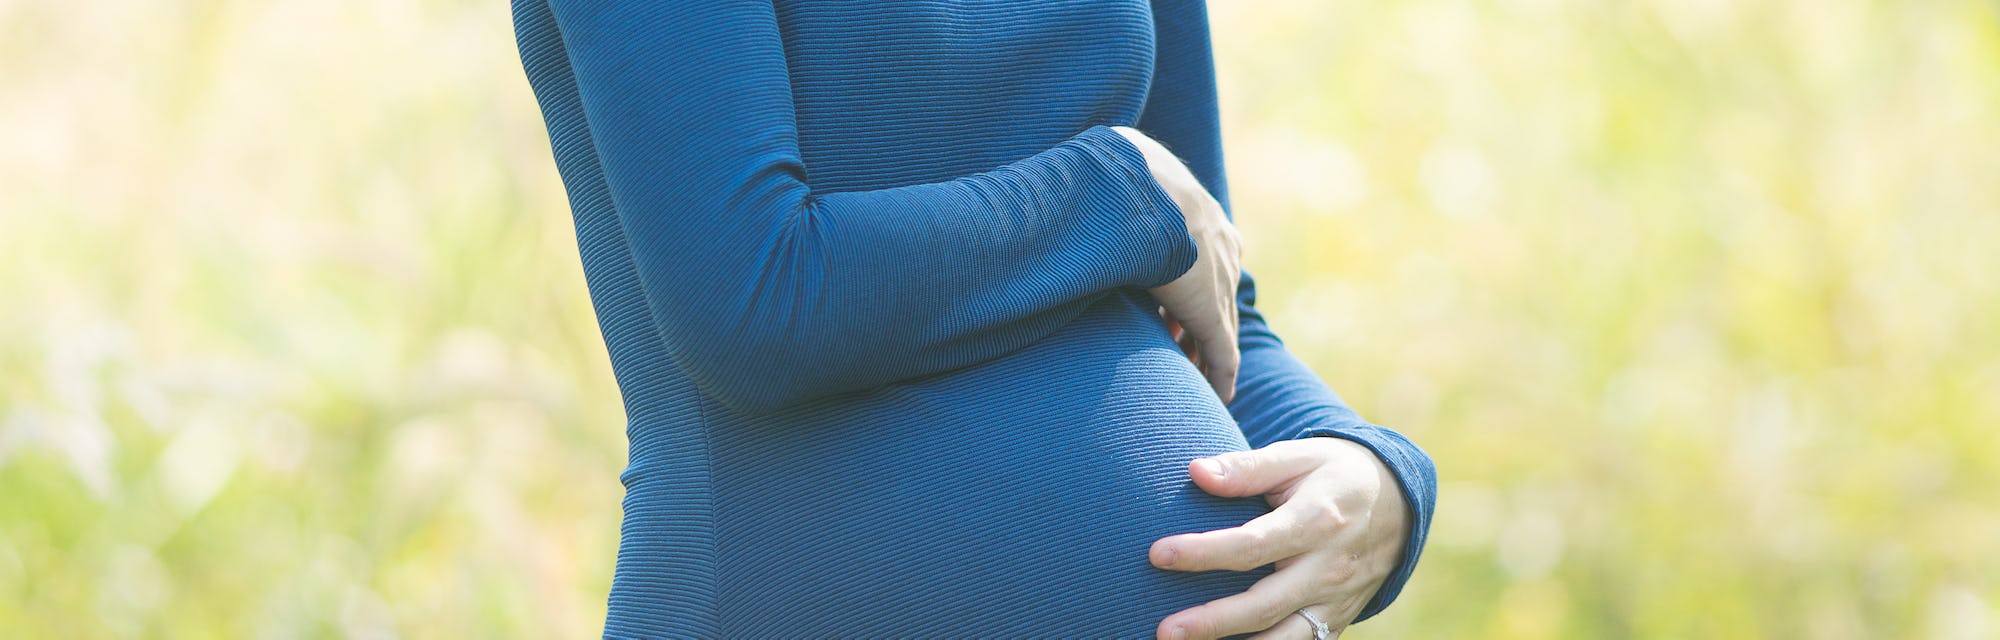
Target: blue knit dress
(872, 275)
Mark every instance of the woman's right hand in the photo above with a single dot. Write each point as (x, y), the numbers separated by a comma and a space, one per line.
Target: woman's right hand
(1202, 301)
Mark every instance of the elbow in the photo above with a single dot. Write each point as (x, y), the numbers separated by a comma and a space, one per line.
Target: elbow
(753, 400)
(756, 338)
(756, 399)
(752, 372)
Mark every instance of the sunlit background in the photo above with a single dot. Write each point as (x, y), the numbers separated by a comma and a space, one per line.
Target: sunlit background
(1695, 303)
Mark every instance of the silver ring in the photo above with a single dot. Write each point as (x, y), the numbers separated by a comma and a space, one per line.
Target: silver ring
(1320, 630)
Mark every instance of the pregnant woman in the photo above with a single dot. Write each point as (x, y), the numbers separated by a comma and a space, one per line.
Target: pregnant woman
(883, 285)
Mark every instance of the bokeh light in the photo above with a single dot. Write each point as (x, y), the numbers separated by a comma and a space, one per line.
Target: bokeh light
(1695, 303)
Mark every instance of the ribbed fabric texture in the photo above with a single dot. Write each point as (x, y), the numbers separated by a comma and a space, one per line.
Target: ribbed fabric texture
(1277, 396)
(871, 275)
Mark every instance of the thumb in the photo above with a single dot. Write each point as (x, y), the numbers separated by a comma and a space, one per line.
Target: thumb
(1254, 472)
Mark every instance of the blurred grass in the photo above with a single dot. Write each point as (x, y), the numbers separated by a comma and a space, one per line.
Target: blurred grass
(1694, 302)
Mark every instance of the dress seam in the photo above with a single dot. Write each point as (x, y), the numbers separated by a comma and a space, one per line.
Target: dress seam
(714, 522)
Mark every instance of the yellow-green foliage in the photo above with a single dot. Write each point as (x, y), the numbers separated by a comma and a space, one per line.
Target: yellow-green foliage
(1695, 302)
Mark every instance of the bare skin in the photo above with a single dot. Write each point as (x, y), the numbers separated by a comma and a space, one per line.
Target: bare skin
(1338, 518)
(1202, 300)
(1335, 531)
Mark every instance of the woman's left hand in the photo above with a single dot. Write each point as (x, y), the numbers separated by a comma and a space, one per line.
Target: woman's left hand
(1335, 531)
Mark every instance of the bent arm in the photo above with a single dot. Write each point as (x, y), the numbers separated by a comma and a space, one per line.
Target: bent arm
(770, 294)
(1277, 396)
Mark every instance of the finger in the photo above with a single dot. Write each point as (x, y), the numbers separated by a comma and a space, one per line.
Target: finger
(1264, 605)
(1292, 627)
(1285, 532)
(1257, 471)
(1181, 337)
(1219, 346)
(1221, 360)
(1295, 627)
(1235, 325)
(1212, 328)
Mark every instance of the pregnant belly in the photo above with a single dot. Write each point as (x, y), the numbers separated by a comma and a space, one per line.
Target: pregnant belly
(1017, 497)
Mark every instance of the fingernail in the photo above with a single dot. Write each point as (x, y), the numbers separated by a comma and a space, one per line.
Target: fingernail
(1176, 633)
(1211, 467)
(1168, 556)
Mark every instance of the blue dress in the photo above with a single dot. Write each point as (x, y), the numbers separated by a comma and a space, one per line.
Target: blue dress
(872, 275)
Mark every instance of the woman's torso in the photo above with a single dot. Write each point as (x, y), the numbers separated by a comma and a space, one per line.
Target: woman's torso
(1013, 497)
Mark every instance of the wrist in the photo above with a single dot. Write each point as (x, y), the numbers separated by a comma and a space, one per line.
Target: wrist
(1389, 517)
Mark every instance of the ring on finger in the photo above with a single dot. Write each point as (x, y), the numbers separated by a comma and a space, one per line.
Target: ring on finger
(1320, 630)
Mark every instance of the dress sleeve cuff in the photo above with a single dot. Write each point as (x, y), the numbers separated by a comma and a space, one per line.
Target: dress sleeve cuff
(1157, 220)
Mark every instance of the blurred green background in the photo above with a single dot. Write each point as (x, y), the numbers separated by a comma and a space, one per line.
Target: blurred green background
(1695, 302)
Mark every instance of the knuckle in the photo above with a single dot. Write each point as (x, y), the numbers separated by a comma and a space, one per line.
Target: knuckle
(1236, 462)
(1336, 517)
(1230, 559)
(1240, 467)
(1224, 359)
(1270, 612)
(1261, 539)
(1242, 562)
(1321, 518)
(1312, 521)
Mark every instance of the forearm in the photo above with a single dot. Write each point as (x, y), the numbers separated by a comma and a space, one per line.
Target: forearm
(1279, 398)
(769, 294)
(861, 289)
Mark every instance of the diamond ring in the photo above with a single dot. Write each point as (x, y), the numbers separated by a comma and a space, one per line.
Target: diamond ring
(1320, 630)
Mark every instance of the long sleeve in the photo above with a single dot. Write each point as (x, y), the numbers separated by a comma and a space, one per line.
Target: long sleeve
(1277, 396)
(771, 294)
